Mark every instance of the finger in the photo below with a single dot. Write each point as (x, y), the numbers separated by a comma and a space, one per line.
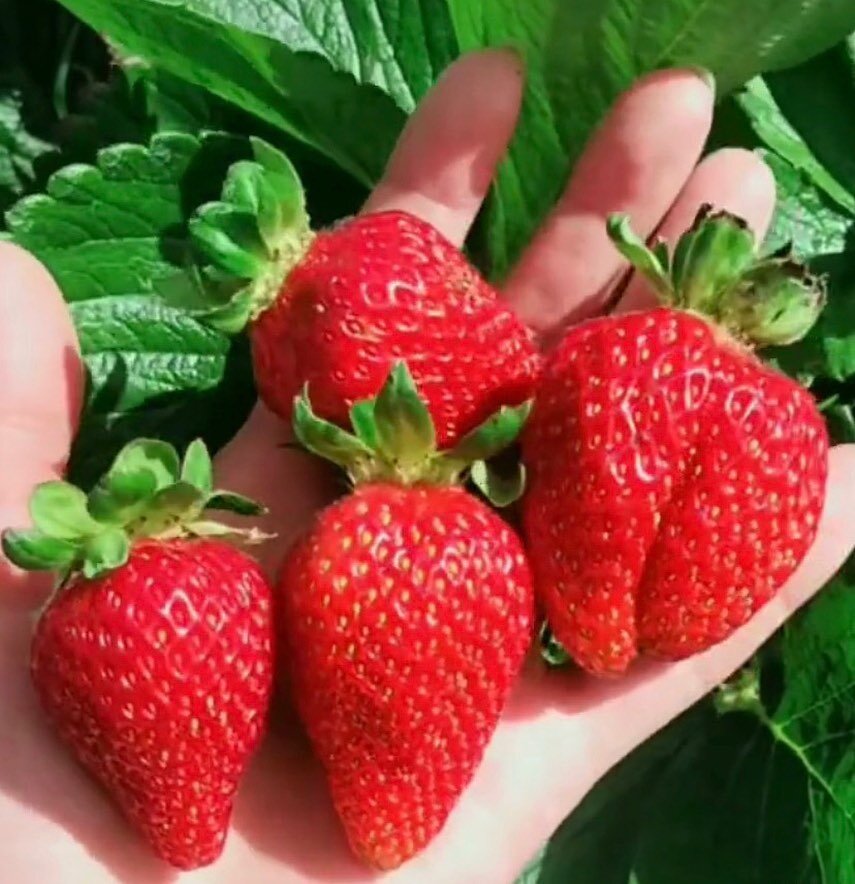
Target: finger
(448, 152)
(41, 378)
(293, 484)
(732, 179)
(637, 162)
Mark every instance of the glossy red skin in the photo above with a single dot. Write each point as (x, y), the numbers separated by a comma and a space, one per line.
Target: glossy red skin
(675, 482)
(382, 288)
(158, 676)
(407, 613)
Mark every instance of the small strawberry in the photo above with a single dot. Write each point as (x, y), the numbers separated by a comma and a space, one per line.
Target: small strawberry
(406, 610)
(153, 659)
(337, 309)
(675, 481)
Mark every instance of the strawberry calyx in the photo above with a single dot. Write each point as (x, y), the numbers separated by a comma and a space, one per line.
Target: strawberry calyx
(249, 240)
(147, 493)
(394, 440)
(741, 693)
(715, 271)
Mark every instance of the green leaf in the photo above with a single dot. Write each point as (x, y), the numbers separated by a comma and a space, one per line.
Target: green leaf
(596, 843)
(105, 552)
(58, 509)
(324, 438)
(20, 151)
(108, 233)
(35, 551)
(815, 720)
(234, 503)
(817, 98)
(492, 436)
(776, 132)
(338, 76)
(580, 56)
(805, 215)
(730, 809)
(771, 797)
(197, 468)
(501, 490)
(405, 430)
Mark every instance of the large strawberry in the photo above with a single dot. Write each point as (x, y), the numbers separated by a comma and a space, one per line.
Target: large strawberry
(406, 610)
(153, 659)
(675, 481)
(339, 308)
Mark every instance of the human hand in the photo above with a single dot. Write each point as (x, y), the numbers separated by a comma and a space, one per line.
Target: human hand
(562, 730)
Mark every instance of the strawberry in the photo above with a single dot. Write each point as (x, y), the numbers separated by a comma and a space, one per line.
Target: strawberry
(337, 309)
(406, 610)
(675, 480)
(153, 659)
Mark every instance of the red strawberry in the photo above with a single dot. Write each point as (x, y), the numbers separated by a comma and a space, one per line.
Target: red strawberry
(153, 661)
(339, 310)
(675, 481)
(406, 610)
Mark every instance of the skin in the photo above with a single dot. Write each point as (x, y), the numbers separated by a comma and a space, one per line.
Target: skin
(562, 730)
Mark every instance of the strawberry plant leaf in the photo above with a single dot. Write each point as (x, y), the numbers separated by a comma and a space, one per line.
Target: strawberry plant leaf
(108, 233)
(816, 98)
(815, 214)
(20, 151)
(580, 56)
(775, 131)
(338, 76)
(770, 796)
(805, 215)
(815, 720)
(730, 808)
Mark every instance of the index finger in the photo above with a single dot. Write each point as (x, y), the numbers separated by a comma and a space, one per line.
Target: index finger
(447, 155)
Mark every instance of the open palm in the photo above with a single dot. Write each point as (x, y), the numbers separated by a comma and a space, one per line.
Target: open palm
(562, 731)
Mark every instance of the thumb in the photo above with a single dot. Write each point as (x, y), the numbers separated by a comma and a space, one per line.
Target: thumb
(41, 384)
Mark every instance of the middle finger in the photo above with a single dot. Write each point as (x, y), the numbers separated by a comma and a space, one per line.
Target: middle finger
(637, 162)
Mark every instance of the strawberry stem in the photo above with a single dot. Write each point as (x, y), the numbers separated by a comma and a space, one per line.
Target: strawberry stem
(147, 492)
(394, 440)
(715, 271)
(250, 239)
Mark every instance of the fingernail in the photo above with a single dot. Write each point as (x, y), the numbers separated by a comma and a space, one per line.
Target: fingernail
(704, 74)
(515, 55)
